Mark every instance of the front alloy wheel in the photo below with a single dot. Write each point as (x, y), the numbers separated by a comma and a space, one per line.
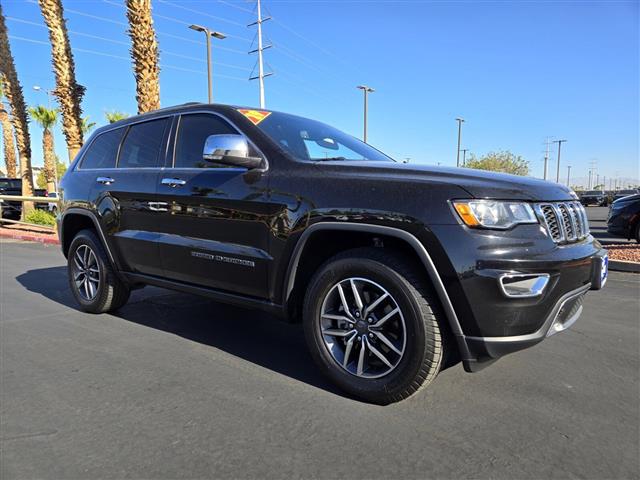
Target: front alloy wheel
(363, 328)
(86, 272)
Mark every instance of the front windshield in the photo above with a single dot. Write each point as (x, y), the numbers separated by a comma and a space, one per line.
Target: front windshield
(314, 141)
(12, 183)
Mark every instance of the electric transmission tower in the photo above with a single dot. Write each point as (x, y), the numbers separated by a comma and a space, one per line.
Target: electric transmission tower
(261, 75)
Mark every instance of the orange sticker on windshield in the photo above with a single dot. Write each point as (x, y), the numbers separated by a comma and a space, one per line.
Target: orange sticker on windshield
(254, 116)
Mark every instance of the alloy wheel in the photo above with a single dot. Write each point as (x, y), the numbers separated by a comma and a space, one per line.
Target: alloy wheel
(363, 328)
(86, 272)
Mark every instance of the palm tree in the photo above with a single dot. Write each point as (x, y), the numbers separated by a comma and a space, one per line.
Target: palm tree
(47, 118)
(7, 138)
(113, 117)
(68, 91)
(13, 92)
(87, 126)
(144, 52)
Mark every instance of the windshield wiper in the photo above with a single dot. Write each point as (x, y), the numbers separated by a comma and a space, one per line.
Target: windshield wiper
(328, 159)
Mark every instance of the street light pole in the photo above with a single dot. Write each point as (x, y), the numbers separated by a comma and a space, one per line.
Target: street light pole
(459, 120)
(464, 156)
(366, 91)
(38, 88)
(209, 33)
(559, 142)
(568, 175)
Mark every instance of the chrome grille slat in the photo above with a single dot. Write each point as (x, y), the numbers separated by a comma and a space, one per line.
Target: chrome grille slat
(565, 222)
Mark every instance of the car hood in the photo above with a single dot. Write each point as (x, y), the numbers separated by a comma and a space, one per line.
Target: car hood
(479, 183)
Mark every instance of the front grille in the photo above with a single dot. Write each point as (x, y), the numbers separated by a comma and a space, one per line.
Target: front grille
(565, 221)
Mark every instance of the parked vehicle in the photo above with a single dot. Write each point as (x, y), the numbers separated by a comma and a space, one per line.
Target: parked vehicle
(624, 217)
(595, 197)
(618, 194)
(52, 206)
(393, 269)
(10, 186)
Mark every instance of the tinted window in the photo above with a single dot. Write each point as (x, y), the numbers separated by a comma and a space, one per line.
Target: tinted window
(103, 150)
(192, 134)
(142, 145)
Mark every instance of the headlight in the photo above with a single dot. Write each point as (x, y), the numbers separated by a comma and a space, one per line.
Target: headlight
(494, 213)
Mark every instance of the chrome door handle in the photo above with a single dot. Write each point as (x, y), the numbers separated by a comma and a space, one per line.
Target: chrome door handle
(105, 180)
(173, 182)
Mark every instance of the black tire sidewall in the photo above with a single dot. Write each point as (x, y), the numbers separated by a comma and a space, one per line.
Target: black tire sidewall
(380, 389)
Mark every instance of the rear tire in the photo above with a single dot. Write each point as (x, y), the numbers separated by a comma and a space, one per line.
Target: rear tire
(410, 339)
(92, 279)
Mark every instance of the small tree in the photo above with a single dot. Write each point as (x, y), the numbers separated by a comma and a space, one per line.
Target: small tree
(115, 116)
(503, 161)
(47, 118)
(87, 125)
(61, 169)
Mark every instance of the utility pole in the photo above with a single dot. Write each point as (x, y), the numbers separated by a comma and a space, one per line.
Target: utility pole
(546, 159)
(589, 183)
(568, 175)
(464, 156)
(459, 120)
(209, 33)
(366, 91)
(597, 180)
(261, 75)
(559, 142)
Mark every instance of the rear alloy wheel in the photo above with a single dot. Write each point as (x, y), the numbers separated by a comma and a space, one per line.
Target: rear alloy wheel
(92, 279)
(371, 323)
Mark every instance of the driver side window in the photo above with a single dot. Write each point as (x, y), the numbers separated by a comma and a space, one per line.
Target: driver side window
(193, 131)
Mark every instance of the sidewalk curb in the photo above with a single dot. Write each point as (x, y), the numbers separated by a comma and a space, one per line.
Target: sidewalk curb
(27, 237)
(623, 266)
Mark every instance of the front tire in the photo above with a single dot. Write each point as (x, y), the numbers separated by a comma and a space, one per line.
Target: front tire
(92, 279)
(371, 323)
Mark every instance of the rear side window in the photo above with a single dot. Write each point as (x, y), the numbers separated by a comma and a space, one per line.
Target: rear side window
(103, 150)
(192, 133)
(142, 145)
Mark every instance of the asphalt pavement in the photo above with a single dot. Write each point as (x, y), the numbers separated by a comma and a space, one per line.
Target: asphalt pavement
(177, 386)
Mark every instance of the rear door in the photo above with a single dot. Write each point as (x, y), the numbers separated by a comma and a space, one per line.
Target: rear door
(215, 228)
(125, 194)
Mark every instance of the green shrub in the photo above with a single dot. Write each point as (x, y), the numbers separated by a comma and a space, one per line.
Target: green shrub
(41, 217)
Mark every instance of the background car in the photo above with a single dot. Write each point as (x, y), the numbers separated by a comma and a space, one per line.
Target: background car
(594, 197)
(624, 193)
(624, 217)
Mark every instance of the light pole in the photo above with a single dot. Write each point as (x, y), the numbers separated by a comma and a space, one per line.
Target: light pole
(559, 142)
(208, 33)
(366, 91)
(568, 175)
(459, 120)
(464, 156)
(38, 88)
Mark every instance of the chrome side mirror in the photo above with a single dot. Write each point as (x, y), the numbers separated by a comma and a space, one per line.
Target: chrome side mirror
(229, 150)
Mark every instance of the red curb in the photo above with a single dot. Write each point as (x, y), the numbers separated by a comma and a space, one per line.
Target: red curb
(26, 237)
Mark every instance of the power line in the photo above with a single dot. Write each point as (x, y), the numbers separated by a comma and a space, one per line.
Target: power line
(182, 7)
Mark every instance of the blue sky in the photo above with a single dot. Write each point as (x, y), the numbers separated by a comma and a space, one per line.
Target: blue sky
(517, 71)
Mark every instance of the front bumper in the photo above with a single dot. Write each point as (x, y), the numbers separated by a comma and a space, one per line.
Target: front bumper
(493, 323)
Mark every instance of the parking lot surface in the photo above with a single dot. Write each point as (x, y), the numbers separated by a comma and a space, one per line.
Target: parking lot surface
(176, 386)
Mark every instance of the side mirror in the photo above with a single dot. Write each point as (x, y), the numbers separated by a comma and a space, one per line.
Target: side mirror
(229, 150)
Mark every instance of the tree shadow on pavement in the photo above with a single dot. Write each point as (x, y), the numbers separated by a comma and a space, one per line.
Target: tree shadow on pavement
(248, 334)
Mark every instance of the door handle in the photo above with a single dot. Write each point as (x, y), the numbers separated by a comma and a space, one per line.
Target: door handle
(173, 182)
(105, 180)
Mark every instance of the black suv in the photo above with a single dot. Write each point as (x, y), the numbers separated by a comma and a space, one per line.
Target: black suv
(393, 269)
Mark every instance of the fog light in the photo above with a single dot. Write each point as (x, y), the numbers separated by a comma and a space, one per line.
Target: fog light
(523, 285)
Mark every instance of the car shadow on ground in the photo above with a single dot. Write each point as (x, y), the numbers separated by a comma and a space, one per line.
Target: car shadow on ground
(253, 336)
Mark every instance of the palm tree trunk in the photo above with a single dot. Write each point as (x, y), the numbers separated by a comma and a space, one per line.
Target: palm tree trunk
(13, 92)
(68, 91)
(49, 160)
(8, 142)
(144, 51)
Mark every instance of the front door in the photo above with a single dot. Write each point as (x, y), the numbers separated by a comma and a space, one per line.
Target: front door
(216, 219)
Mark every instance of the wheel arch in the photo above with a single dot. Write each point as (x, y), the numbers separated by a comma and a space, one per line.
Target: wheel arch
(403, 237)
(75, 219)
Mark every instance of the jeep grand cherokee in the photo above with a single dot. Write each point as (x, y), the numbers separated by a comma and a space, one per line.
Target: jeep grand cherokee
(390, 267)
